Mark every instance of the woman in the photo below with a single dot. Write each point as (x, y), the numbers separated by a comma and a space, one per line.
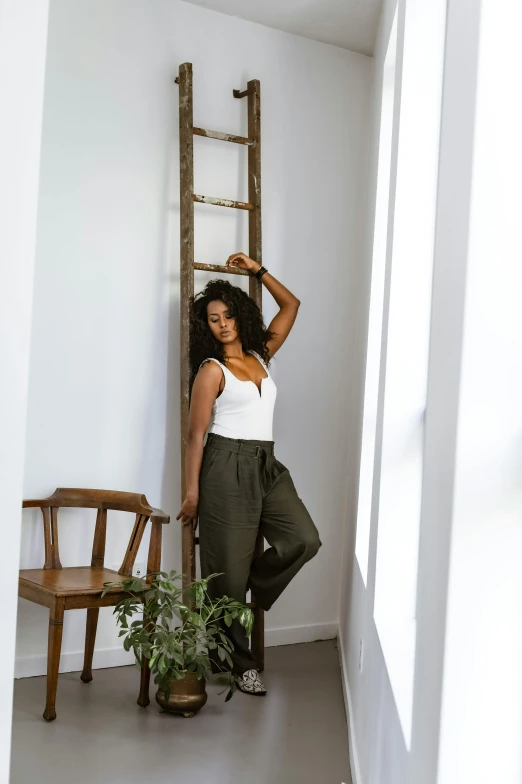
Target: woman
(235, 484)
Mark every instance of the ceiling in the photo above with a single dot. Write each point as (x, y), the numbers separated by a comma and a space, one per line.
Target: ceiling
(351, 24)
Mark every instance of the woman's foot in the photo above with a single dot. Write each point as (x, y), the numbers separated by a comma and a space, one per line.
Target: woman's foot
(250, 682)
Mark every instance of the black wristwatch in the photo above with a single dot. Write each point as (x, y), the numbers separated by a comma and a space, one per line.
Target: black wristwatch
(261, 271)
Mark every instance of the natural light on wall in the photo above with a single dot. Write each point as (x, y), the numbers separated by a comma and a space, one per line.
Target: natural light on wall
(407, 342)
(380, 236)
(481, 724)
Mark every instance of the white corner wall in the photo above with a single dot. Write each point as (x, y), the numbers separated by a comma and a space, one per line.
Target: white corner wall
(103, 397)
(23, 38)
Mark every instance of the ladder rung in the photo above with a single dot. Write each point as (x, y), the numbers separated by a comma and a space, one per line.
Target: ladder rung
(219, 268)
(238, 205)
(224, 137)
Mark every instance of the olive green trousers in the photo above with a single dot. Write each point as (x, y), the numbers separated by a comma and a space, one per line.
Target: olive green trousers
(243, 490)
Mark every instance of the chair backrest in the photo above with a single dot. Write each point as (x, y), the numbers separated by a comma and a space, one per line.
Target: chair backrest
(102, 500)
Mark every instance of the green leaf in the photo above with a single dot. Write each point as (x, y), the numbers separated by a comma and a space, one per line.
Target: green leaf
(228, 619)
(229, 660)
(224, 638)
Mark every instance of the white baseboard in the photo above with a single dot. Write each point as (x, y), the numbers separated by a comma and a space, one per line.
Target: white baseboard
(291, 635)
(72, 661)
(352, 745)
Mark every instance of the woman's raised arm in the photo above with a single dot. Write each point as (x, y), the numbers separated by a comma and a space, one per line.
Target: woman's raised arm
(288, 303)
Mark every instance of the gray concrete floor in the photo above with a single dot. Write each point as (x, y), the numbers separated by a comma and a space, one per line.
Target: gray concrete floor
(296, 734)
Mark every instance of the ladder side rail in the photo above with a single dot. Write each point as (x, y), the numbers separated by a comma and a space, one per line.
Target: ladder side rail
(186, 185)
(255, 251)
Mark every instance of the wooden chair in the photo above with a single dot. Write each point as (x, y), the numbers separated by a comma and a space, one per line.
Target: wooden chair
(76, 587)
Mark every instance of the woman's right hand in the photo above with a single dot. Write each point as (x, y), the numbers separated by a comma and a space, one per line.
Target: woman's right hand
(189, 512)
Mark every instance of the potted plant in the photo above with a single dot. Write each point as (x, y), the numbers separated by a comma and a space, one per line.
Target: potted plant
(177, 640)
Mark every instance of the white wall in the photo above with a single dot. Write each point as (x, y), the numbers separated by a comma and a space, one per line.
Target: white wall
(481, 728)
(467, 707)
(394, 713)
(103, 399)
(377, 747)
(23, 38)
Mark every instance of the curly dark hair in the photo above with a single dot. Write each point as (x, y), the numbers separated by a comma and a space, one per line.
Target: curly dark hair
(248, 319)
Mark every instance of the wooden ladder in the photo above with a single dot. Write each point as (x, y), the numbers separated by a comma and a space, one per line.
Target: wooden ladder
(187, 131)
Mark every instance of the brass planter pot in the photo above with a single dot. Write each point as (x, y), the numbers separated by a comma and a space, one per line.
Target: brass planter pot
(187, 695)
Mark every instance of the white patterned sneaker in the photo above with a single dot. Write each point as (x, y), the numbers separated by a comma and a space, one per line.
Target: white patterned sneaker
(250, 682)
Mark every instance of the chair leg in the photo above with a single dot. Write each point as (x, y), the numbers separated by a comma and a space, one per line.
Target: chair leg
(56, 614)
(90, 637)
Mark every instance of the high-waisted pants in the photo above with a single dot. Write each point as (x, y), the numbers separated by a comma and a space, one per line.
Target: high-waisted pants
(243, 490)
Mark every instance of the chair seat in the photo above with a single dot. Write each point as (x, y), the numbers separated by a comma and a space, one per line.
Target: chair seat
(72, 580)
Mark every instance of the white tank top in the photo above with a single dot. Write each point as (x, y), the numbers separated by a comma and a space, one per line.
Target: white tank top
(240, 411)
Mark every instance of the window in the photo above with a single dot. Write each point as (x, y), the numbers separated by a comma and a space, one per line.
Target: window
(406, 345)
(380, 238)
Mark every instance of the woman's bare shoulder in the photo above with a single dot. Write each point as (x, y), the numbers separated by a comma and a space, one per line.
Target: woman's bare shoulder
(210, 371)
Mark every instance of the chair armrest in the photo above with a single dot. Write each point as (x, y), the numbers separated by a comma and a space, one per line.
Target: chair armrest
(159, 517)
(99, 499)
(42, 503)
